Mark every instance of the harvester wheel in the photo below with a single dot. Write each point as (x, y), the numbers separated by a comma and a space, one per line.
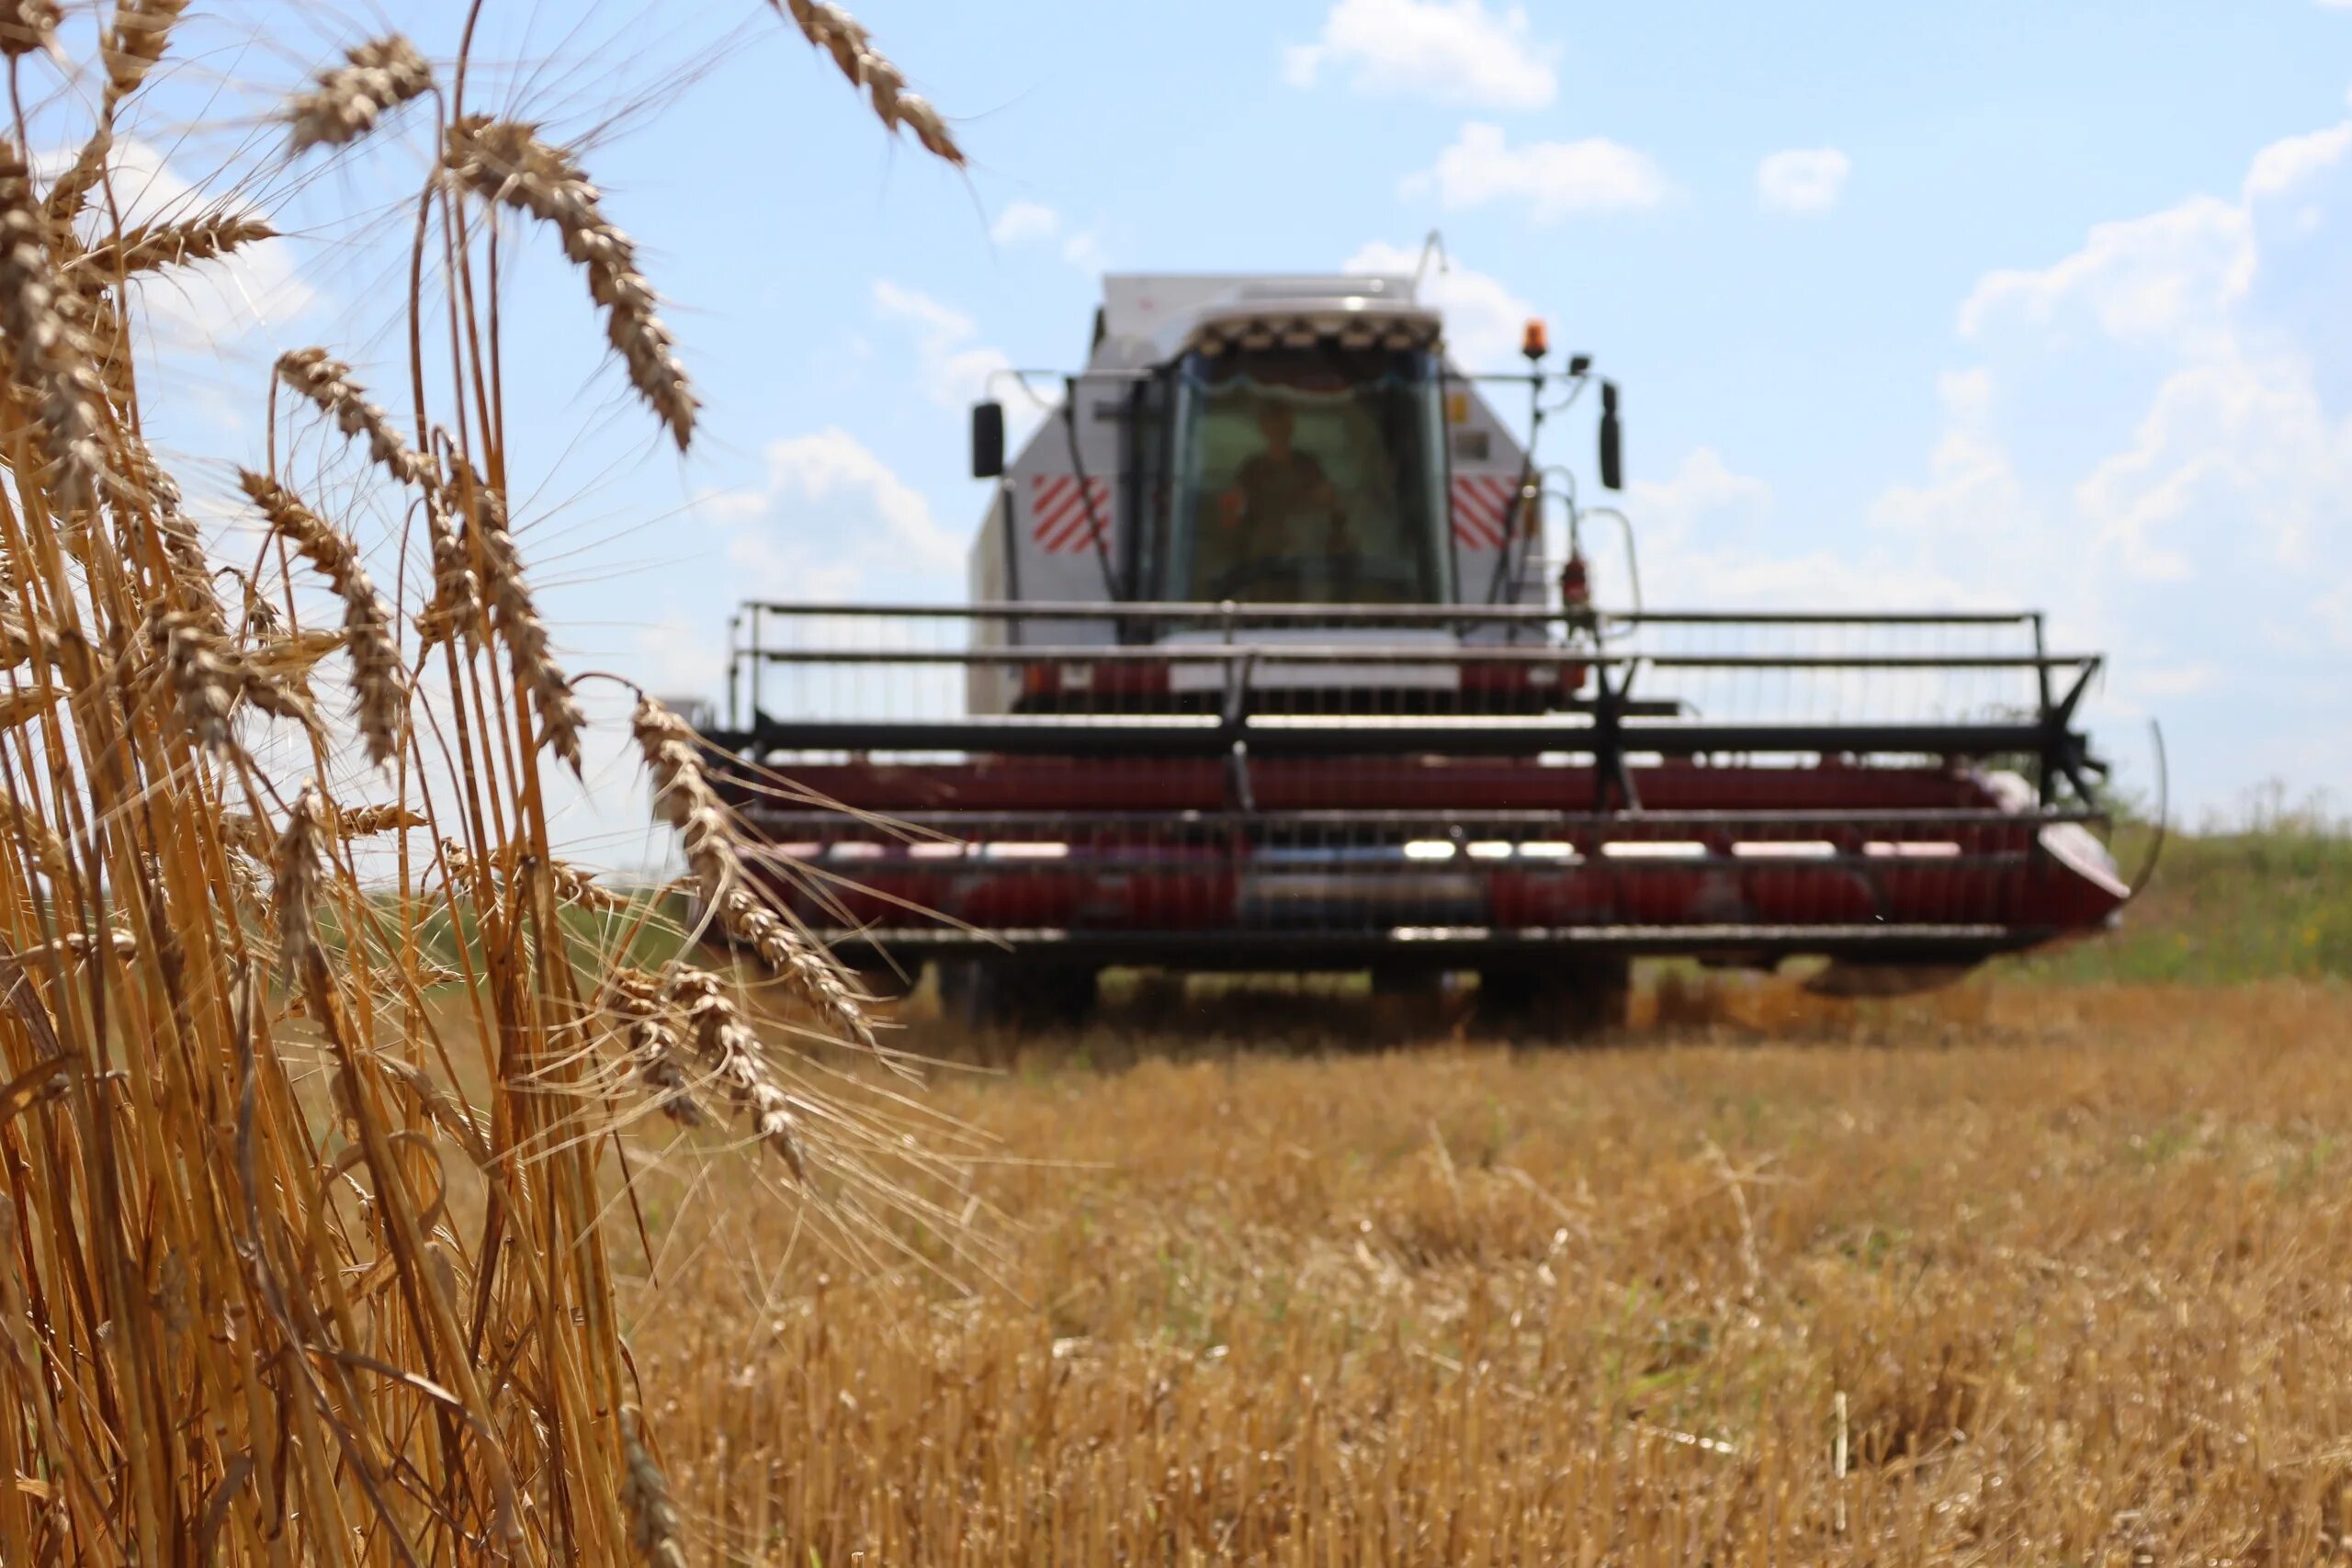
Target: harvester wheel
(1566, 1000)
(1409, 998)
(1024, 994)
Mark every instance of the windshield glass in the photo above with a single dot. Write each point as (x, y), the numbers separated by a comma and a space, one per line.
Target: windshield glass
(1305, 475)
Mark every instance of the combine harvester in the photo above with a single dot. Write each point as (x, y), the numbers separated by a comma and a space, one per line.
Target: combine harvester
(1282, 656)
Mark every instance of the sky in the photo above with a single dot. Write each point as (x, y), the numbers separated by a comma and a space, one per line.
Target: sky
(2024, 303)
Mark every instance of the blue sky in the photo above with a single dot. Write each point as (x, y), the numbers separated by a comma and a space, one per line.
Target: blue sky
(2009, 303)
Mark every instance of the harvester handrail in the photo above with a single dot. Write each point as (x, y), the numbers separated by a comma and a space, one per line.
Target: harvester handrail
(1183, 735)
(1305, 653)
(1611, 824)
(1220, 612)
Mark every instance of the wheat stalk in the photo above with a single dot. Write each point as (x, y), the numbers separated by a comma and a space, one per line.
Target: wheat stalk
(684, 798)
(241, 1320)
(378, 685)
(326, 381)
(505, 162)
(841, 36)
(345, 105)
(150, 247)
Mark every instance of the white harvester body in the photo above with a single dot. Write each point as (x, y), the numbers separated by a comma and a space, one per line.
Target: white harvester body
(1126, 489)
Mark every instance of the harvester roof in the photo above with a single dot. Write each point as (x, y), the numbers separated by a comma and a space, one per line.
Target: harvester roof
(1149, 318)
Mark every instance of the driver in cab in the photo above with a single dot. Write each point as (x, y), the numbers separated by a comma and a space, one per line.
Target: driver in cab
(1282, 493)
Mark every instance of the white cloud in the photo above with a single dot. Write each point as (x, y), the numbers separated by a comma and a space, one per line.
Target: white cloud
(1555, 179)
(829, 517)
(1707, 538)
(1802, 180)
(2279, 168)
(954, 371)
(2180, 680)
(2207, 541)
(1024, 220)
(2162, 277)
(1027, 221)
(1450, 52)
(1483, 317)
(1701, 485)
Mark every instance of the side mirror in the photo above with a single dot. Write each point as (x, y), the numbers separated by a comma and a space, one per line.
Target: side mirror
(1612, 460)
(988, 440)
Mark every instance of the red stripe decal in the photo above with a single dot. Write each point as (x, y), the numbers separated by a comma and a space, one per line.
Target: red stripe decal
(1474, 522)
(1072, 518)
(1050, 517)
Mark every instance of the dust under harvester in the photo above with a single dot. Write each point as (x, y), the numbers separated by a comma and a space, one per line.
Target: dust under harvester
(1282, 654)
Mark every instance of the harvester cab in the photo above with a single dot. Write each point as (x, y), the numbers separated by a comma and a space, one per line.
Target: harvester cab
(1282, 653)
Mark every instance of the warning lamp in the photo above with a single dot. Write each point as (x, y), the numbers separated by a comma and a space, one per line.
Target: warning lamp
(1536, 344)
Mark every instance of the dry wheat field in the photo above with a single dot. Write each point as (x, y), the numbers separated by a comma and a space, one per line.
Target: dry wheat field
(2031, 1276)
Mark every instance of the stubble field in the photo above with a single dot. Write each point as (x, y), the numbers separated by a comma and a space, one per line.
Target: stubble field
(2053, 1275)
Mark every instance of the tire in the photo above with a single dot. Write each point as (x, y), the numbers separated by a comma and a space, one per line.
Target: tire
(1016, 994)
(1408, 999)
(1566, 1000)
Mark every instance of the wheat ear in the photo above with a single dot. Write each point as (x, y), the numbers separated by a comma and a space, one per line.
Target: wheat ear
(326, 381)
(516, 615)
(684, 798)
(505, 162)
(27, 27)
(841, 36)
(455, 608)
(652, 1035)
(344, 103)
(296, 876)
(190, 569)
(731, 1052)
(135, 44)
(365, 821)
(150, 247)
(46, 357)
(23, 639)
(129, 49)
(571, 885)
(376, 676)
(644, 1497)
(207, 679)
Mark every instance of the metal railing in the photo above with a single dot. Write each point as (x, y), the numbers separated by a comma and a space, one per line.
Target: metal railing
(1240, 682)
